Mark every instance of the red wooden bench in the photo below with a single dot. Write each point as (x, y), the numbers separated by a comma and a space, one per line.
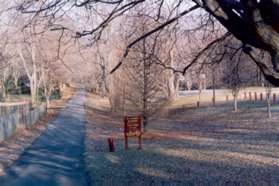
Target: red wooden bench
(132, 128)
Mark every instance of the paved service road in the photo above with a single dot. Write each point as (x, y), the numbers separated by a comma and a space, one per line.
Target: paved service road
(56, 157)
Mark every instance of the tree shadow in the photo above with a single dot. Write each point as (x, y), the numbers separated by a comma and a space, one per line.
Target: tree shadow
(187, 149)
(132, 168)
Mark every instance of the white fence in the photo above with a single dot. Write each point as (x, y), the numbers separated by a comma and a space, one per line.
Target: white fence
(21, 117)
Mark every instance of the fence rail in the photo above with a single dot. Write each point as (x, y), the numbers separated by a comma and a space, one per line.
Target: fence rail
(23, 108)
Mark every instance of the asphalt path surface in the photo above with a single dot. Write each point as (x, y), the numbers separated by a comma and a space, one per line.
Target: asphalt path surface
(56, 158)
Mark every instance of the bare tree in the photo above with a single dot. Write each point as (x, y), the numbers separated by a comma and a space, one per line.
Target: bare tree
(142, 88)
(234, 82)
(241, 18)
(32, 69)
(213, 75)
(142, 83)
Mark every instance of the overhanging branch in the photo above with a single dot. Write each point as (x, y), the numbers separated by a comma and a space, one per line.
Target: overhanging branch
(162, 26)
(227, 34)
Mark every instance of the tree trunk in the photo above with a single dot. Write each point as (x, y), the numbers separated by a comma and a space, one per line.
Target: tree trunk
(32, 74)
(18, 90)
(104, 87)
(200, 91)
(146, 73)
(144, 109)
(33, 89)
(1, 91)
(172, 82)
(47, 96)
(4, 94)
(171, 87)
(16, 78)
(189, 82)
(268, 95)
(213, 88)
(213, 96)
(235, 102)
(176, 85)
(33, 95)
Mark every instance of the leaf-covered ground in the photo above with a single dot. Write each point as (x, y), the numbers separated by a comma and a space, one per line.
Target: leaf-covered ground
(205, 146)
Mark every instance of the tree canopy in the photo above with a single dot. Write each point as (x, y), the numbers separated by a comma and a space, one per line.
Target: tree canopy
(254, 22)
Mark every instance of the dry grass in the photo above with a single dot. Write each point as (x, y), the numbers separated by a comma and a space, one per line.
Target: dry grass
(11, 149)
(206, 96)
(205, 146)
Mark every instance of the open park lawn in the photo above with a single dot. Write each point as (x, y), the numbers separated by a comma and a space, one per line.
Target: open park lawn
(200, 146)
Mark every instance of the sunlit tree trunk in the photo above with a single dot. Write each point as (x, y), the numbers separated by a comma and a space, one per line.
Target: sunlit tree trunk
(31, 73)
(213, 87)
(171, 86)
(16, 76)
(268, 100)
(235, 100)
